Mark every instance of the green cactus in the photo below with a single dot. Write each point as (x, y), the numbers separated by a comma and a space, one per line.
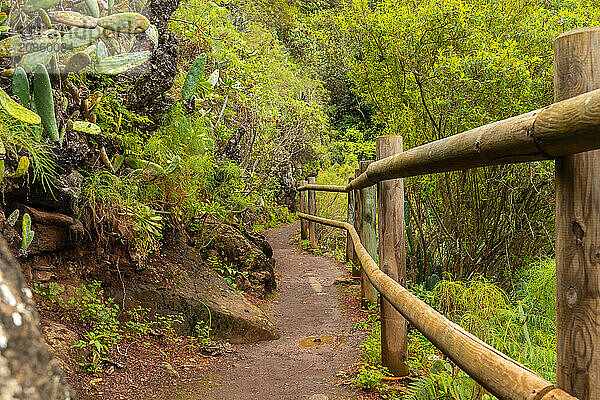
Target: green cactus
(30, 61)
(44, 101)
(16, 110)
(122, 62)
(22, 168)
(125, 23)
(45, 19)
(20, 86)
(79, 37)
(73, 18)
(194, 76)
(35, 5)
(101, 50)
(10, 46)
(13, 217)
(87, 127)
(93, 7)
(27, 233)
(78, 61)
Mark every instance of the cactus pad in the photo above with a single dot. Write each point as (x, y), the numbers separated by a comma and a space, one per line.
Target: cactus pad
(125, 23)
(20, 86)
(44, 102)
(16, 110)
(73, 18)
(122, 62)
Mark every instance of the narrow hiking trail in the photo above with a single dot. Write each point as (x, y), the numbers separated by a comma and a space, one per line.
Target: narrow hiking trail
(293, 367)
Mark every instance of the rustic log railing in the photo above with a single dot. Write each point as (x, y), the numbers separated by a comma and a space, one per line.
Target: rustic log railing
(567, 131)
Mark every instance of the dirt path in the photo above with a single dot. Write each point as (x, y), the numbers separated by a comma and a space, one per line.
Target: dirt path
(306, 305)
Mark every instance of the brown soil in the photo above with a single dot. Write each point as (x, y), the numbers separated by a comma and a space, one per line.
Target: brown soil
(318, 342)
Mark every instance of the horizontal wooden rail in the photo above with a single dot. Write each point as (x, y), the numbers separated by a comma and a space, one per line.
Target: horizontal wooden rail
(495, 371)
(564, 128)
(323, 188)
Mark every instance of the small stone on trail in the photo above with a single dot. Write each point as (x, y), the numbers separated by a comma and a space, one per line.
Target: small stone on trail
(318, 397)
(170, 370)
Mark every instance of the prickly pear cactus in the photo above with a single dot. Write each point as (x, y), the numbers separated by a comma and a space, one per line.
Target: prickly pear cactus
(73, 18)
(93, 8)
(101, 51)
(122, 62)
(17, 111)
(44, 102)
(79, 37)
(34, 5)
(78, 61)
(194, 76)
(45, 19)
(31, 60)
(27, 233)
(125, 23)
(20, 86)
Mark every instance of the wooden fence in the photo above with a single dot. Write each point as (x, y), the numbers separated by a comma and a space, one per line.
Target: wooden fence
(567, 131)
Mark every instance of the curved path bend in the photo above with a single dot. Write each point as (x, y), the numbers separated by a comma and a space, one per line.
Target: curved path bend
(293, 367)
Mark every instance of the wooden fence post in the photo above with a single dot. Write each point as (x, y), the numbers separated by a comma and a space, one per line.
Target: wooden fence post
(304, 209)
(350, 220)
(312, 210)
(392, 260)
(576, 71)
(368, 234)
(356, 223)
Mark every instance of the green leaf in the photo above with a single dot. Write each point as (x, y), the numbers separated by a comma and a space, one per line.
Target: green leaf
(87, 127)
(194, 76)
(13, 217)
(22, 168)
(213, 79)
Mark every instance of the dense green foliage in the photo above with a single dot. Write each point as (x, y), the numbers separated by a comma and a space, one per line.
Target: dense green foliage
(271, 92)
(520, 324)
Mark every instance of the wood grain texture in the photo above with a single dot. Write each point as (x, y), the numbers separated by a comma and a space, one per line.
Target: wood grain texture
(304, 209)
(495, 371)
(392, 259)
(357, 221)
(368, 234)
(323, 188)
(577, 70)
(312, 209)
(350, 219)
